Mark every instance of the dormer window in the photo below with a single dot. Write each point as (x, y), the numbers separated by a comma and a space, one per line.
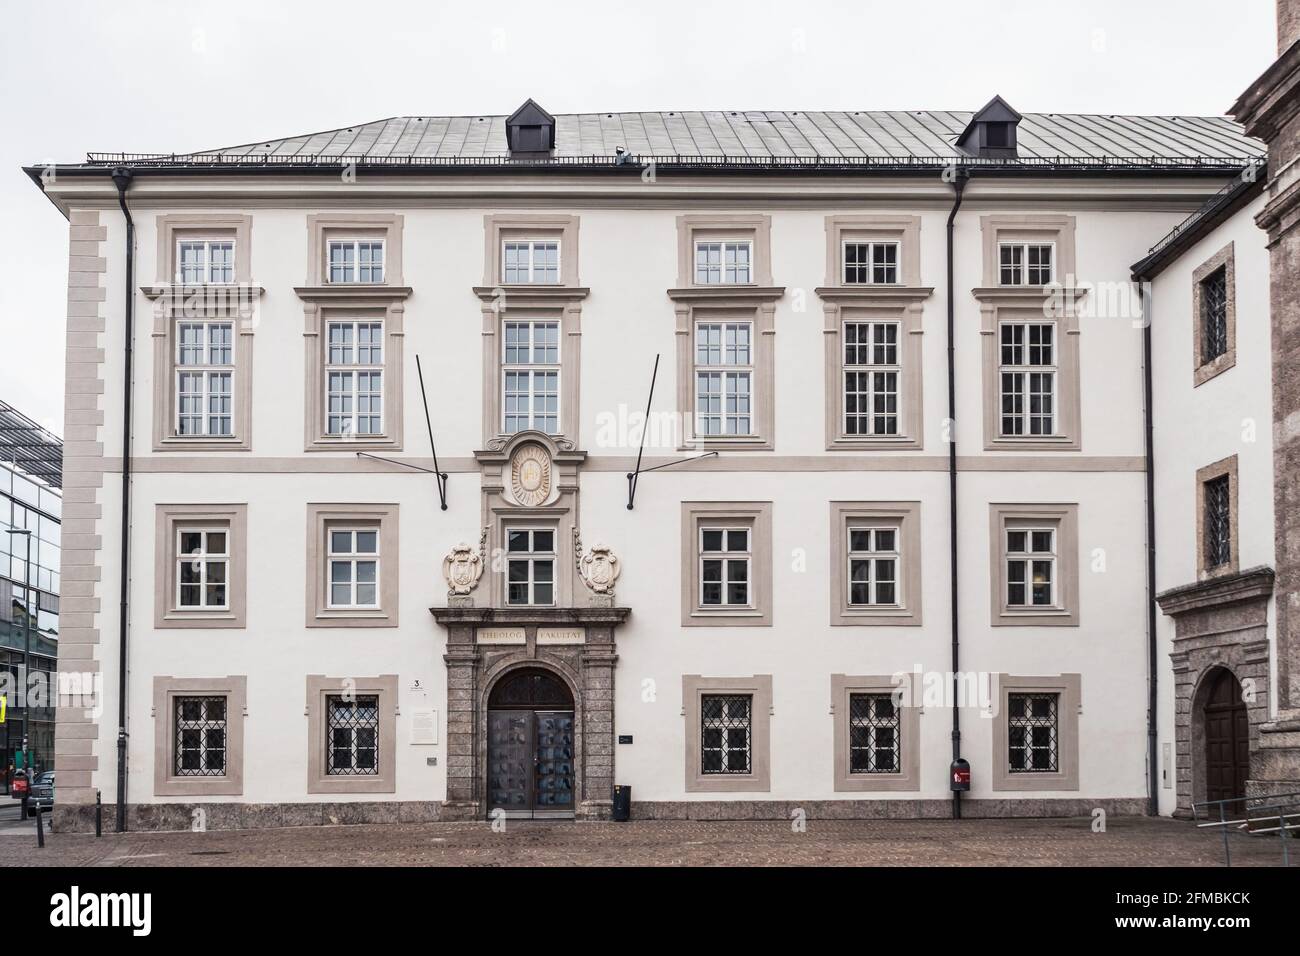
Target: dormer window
(991, 132)
(530, 132)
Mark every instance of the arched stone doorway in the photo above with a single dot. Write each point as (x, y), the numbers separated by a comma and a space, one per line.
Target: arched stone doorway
(1225, 756)
(532, 745)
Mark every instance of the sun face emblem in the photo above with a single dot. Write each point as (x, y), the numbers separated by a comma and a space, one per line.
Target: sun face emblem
(530, 475)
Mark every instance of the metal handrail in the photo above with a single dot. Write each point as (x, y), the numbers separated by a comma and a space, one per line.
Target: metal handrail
(1276, 809)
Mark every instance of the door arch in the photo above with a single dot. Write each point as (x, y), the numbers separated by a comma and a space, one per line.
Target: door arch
(1226, 755)
(531, 745)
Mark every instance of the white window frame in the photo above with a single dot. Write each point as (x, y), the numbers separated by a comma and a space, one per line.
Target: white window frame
(726, 557)
(1026, 560)
(531, 558)
(356, 245)
(874, 557)
(532, 246)
(354, 369)
(534, 371)
(207, 267)
(871, 369)
(206, 372)
(352, 558)
(205, 559)
(871, 265)
(723, 245)
(724, 372)
(1025, 373)
(1020, 271)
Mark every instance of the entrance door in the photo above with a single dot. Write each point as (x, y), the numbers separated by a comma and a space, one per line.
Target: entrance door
(531, 750)
(1227, 740)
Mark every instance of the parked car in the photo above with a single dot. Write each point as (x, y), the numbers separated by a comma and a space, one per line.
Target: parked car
(42, 791)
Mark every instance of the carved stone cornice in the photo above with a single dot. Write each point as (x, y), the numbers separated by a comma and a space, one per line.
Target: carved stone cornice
(352, 293)
(203, 293)
(521, 616)
(882, 295)
(1272, 100)
(532, 295)
(724, 294)
(1253, 584)
(1027, 294)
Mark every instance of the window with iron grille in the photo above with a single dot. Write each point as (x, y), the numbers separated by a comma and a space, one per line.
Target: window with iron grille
(724, 567)
(354, 376)
(1031, 567)
(724, 372)
(870, 263)
(205, 368)
(200, 736)
(202, 568)
(1032, 730)
(723, 262)
(530, 566)
(356, 260)
(353, 567)
(531, 377)
(1214, 315)
(1022, 263)
(352, 745)
(202, 261)
(1218, 521)
(874, 730)
(871, 372)
(531, 261)
(1027, 372)
(727, 724)
(873, 567)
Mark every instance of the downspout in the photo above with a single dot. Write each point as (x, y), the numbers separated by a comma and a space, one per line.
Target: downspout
(1148, 424)
(958, 188)
(122, 180)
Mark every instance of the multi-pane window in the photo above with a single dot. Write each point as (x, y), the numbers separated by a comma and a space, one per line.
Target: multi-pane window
(202, 568)
(535, 261)
(1027, 372)
(1214, 315)
(353, 567)
(530, 566)
(726, 733)
(356, 260)
(531, 377)
(352, 746)
(200, 261)
(874, 729)
(871, 373)
(724, 262)
(870, 263)
(1218, 521)
(725, 562)
(1031, 567)
(1032, 731)
(200, 737)
(354, 377)
(724, 375)
(205, 368)
(1025, 263)
(873, 567)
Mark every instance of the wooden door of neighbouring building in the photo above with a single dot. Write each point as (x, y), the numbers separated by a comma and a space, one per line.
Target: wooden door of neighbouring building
(1227, 740)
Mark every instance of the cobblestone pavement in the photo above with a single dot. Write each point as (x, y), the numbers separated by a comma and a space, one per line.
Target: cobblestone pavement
(1128, 841)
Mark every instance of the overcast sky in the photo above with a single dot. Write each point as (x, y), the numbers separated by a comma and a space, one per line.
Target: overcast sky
(145, 76)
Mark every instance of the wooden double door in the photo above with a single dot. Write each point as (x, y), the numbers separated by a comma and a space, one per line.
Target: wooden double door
(531, 747)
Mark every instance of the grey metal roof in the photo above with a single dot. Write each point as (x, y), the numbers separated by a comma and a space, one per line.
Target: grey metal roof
(749, 137)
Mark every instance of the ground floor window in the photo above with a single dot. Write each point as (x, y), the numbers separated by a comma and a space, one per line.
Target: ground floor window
(726, 725)
(873, 734)
(200, 736)
(1031, 723)
(353, 739)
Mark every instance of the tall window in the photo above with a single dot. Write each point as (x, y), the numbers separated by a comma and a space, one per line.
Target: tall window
(870, 263)
(725, 560)
(1218, 521)
(200, 261)
(724, 374)
(353, 567)
(356, 260)
(202, 568)
(873, 567)
(873, 734)
(530, 566)
(1214, 315)
(531, 377)
(354, 378)
(534, 261)
(1031, 725)
(871, 371)
(1031, 567)
(205, 360)
(200, 736)
(727, 741)
(1025, 263)
(724, 262)
(352, 747)
(1027, 373)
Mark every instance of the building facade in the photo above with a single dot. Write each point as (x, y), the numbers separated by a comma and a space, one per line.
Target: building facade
(785, 588)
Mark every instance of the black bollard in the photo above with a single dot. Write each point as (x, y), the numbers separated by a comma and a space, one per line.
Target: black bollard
(40, 827)
(99, 815)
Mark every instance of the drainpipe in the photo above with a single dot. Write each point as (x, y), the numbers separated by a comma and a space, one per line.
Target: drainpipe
(122, 180)
(1148, 424)
(958, 187)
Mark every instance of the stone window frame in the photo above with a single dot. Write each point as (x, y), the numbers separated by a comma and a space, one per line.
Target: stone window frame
(906, 516)
(1202, 370)
(1065, 517)
(322, 227)
(843, 686)
(759, 779)
(757, 517)
(1058, 230)
(319, 517)
(168, 519)
(165, 691)
(172, 304)
(1069, 707)
(1223, 467)
(499, 228)
(319, 688)
(755, 228)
